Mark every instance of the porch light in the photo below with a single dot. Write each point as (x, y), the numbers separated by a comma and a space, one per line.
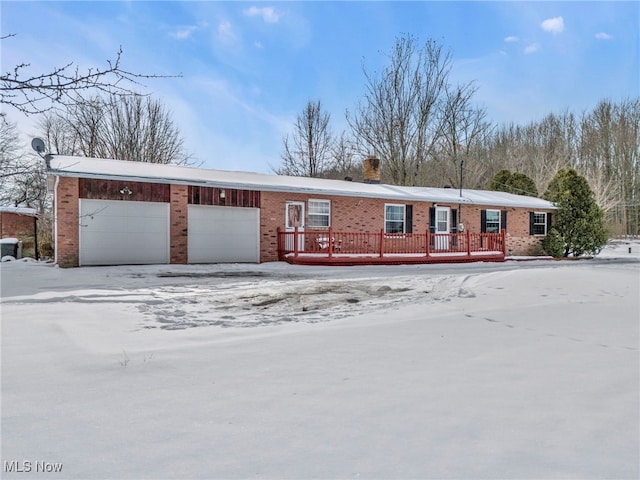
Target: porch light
(126, 191)
(222, 193)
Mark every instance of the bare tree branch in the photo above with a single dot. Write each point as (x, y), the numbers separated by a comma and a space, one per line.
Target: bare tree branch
(34, 94)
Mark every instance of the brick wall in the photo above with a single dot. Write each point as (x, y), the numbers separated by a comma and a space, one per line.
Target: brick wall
(367, 215)
(67, 244)
(22, 227)
(179, 223)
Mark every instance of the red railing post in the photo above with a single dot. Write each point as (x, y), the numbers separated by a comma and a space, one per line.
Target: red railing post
(295, 242)
(468, 243)
(381, 242)
(330, 239)
(428, 242)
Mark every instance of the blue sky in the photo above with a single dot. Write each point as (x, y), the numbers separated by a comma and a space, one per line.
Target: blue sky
(248, 68)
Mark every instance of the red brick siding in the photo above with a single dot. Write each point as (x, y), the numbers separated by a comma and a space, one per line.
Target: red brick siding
(67, 244)
(367, 215)
(179, 223)
(22, 227)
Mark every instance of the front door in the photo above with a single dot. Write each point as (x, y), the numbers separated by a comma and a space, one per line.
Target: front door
(294, 217)
(443, 214)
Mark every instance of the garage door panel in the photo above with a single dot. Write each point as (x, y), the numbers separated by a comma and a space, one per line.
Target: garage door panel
(223, 234)
(123, 232)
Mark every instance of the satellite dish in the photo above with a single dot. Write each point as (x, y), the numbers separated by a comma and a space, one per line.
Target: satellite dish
(38, 145)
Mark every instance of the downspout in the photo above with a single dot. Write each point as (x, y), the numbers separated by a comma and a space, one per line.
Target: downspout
(55, 220)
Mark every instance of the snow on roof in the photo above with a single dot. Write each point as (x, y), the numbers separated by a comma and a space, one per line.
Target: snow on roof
(60, 165)
(19, 210)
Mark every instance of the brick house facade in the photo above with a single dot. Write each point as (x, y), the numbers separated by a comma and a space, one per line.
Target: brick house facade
(353, 207)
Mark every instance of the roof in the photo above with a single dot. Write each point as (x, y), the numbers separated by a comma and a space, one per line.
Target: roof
(20, 210)
(82, 167)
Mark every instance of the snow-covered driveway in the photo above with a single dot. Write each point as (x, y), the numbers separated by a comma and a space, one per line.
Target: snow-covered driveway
(515, 370)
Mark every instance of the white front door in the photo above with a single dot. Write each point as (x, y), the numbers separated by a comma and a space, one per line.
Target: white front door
(294, 217)
(443, 214)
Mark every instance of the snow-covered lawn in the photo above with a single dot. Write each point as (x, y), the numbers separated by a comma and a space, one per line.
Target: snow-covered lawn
(514, 370)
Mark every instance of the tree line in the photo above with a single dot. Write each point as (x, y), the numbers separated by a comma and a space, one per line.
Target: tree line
(428, 131)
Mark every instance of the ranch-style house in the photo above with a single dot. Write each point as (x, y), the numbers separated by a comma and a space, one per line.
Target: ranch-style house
(115, 212)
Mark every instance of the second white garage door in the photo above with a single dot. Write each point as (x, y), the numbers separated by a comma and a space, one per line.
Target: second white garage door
(223, 234)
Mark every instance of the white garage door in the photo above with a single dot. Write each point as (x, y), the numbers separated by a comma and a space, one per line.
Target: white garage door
(223, 234)
(123, 233)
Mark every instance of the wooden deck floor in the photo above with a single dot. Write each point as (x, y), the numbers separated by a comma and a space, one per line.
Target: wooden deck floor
(391, 259)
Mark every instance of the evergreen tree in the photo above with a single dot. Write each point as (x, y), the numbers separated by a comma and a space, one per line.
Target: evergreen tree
(517, 183)
(579, 220)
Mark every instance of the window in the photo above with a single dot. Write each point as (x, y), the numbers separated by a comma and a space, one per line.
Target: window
(394, 218)
(539, 223)
(492, 221)
(319, 213)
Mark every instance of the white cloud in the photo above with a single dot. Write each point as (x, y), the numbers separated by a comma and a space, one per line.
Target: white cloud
(258, 45)
(534, 47)
(553, 25)
(603, 36)
(182, 33)
(268, 14)
(511, 39)
(225, 32)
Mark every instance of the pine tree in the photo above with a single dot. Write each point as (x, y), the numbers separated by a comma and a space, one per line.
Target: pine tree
(579, 220)
(518, 183)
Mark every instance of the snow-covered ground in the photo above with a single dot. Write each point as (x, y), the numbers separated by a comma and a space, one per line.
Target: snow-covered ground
(513, 370)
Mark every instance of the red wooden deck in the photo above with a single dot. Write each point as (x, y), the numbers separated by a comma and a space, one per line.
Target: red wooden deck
(355, 248)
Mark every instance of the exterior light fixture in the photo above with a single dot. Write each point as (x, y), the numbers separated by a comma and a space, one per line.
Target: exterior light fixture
(126, 191)
(222, 193)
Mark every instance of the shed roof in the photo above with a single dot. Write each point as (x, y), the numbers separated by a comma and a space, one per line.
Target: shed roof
(20, 210)
(82, 167)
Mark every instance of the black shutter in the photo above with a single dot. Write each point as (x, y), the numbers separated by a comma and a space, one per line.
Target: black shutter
(503, 220)
(531, 220)
(483, 221)
(432, 220)
(454, 221)
(549, 221)
(408, 221)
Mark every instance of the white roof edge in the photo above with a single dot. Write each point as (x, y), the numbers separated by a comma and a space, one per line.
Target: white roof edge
(20, 210)
(159, 173)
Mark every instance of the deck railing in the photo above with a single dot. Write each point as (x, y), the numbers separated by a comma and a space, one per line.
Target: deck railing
(336, 243)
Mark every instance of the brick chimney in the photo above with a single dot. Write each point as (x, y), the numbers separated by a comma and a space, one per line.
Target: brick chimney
(371, 166)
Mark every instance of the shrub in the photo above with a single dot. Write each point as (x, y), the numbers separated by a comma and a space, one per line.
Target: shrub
(553, 244)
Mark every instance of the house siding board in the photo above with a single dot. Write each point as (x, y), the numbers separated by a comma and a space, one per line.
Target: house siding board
(211, 196)
(97, 189)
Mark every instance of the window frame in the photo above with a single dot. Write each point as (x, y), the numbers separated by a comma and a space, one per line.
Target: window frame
(402, 221)
(538, 224)
(487, 222)
(312, 216)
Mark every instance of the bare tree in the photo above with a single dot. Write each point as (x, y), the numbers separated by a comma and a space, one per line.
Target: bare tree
(126, 128)
(307, 153)
(464, 132)
(399, 117)
(34, 93)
